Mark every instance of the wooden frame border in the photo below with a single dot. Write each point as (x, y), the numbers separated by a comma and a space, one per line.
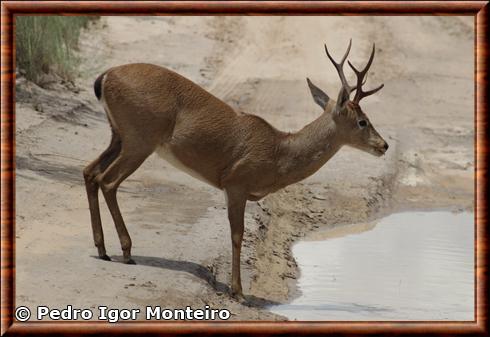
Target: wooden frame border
(478, 9)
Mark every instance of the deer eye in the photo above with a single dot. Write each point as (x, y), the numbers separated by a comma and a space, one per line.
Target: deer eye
(362, 123)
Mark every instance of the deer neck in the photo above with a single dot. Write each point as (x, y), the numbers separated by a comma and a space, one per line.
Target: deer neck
(306, 151)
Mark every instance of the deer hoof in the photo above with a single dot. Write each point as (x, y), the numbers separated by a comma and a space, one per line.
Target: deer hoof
(237, 295)
(130, 261)
(105, 257)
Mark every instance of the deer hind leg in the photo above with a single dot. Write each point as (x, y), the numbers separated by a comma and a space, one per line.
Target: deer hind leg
(128, 160)
(90, 173)
(236, 209)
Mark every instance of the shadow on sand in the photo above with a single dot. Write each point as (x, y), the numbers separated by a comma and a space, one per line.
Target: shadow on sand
(198, 271)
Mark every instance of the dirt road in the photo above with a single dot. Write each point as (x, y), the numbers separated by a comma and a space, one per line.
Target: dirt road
(181, 240)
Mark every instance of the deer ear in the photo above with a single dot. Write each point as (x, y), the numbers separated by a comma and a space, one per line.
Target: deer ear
(319, 96)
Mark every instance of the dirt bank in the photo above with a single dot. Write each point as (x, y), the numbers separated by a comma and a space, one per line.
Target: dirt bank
(178, 225)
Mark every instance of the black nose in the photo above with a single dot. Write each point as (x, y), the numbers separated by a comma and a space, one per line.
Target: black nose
(386, 146)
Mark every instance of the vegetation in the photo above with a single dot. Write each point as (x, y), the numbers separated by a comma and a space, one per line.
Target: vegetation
(46, 44)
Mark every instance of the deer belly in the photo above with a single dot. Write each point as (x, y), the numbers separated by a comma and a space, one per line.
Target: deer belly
(166, 153)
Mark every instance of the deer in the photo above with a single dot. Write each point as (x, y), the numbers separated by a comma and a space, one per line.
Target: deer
(154, 109)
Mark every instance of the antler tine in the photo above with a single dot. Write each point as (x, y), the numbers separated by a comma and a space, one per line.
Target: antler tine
(362, 78)
(371, 58)
(365, 79)
(372, 91)
(340, 67)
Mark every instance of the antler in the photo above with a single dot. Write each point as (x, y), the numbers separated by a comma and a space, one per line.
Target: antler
(362, 75)
(340, 70)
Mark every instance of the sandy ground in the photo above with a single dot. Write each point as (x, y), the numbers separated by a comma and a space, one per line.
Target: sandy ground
(181, 239)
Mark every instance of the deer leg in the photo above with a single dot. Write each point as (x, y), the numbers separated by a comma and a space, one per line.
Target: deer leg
(124, 165)
(92, 187)
(236, 209)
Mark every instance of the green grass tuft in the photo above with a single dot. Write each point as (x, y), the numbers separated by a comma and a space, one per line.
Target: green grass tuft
(46, 44)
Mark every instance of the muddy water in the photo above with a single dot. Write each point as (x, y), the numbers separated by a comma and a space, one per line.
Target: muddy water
(407, 266)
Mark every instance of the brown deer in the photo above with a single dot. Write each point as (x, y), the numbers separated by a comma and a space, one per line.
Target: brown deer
(153, 109)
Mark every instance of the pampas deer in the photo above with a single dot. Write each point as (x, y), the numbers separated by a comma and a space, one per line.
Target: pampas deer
(153, 109)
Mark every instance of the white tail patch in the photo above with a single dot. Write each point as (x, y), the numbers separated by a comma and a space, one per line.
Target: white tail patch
(104, 103)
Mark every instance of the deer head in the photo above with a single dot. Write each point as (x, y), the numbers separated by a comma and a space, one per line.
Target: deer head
(351, 121)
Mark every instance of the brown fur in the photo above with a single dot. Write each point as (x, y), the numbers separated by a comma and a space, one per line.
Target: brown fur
(150, 108)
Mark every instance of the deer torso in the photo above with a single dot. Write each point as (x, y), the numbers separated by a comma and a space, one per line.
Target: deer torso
(192, 129)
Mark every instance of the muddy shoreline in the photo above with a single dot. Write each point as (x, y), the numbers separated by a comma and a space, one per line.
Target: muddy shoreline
(178, 225)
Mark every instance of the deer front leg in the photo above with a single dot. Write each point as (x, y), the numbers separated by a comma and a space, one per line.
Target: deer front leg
(236, 208)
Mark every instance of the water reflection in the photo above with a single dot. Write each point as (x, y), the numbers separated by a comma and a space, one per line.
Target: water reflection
(407, 266)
